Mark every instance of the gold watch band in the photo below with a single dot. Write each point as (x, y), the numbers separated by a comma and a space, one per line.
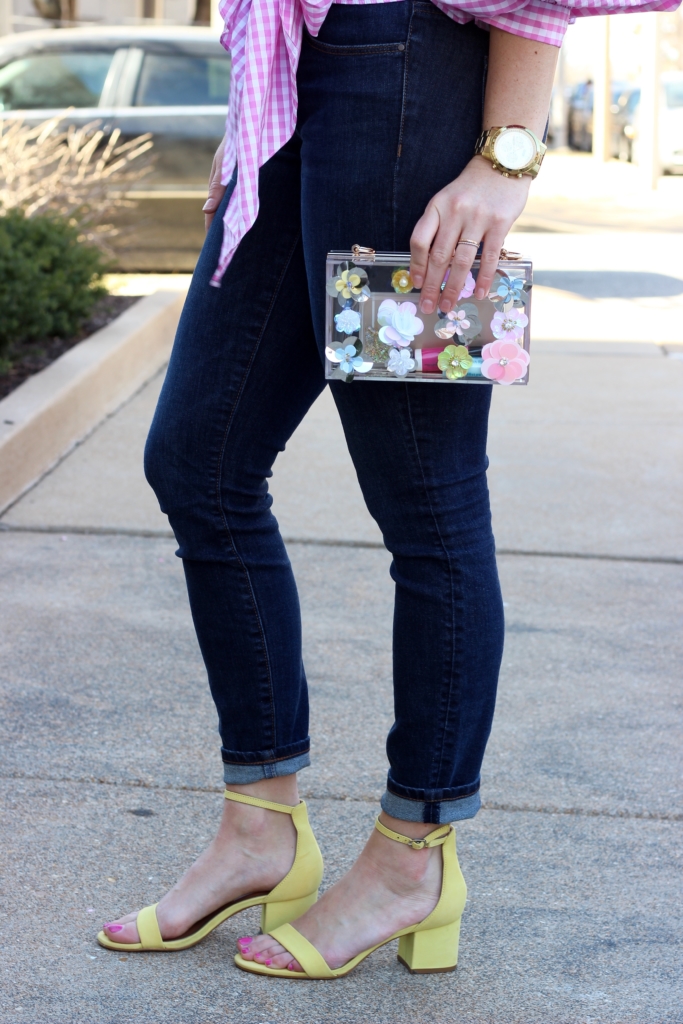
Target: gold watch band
(485, 147)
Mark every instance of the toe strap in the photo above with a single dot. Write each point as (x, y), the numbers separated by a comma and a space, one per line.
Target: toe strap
(148, 928)
(302, 950)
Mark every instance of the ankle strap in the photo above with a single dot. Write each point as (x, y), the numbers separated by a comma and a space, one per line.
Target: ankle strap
(240, 798)
(436, 838)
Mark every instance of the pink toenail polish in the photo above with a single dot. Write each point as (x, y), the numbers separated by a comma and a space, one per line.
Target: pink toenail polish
(114, 927)
(267, 962)
(290, 967)
(245, 938)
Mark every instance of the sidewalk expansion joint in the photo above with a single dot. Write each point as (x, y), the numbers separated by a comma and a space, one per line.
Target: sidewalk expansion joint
(130, 784)
(322, 542)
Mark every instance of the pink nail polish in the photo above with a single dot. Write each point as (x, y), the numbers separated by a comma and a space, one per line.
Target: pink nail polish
(246, 938)
(114, 927)
(290, 967)
(267, 962)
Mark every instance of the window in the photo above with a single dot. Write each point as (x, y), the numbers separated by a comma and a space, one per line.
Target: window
(182, 79)
(54, 80)
(674, 94)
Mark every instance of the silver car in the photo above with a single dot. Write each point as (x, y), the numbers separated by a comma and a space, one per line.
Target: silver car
(173, 82)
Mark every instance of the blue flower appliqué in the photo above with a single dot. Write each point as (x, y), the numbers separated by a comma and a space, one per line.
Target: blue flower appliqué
(348, 321)
(510, 290)
(348, 360)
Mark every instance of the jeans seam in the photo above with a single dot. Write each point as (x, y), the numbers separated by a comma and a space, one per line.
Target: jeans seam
(439, 764)
(270, 760)
(219, 476)
(438, 800)
(369, 50)
(401, 126)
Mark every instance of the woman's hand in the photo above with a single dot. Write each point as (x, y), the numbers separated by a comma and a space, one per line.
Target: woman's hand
(480, 205)
(216, 190)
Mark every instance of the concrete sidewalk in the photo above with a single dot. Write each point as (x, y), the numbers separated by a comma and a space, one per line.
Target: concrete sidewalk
(110, 767)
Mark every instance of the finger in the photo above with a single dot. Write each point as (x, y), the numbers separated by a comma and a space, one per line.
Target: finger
(215, 197)
(463, 259)
(421, 242)
(490, 257)
(216, 189)
(440, 259)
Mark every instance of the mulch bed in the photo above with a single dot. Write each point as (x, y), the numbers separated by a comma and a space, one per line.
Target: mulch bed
(31, 356)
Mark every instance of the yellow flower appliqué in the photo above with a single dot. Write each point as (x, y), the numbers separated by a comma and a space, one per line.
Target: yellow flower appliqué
(349, 284)
(455, 361)
(401, 281)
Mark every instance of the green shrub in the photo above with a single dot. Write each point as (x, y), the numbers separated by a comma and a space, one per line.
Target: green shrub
(49, 281)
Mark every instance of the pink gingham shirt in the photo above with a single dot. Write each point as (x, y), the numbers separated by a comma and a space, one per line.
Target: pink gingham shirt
(264, 38)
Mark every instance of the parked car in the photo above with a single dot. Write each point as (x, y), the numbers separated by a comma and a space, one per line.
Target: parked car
(670, 124)
(173, 82)
(580, 117)
(623, 111)
(580, 114)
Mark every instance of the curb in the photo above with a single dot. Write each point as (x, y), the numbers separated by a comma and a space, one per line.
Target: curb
(53, 410)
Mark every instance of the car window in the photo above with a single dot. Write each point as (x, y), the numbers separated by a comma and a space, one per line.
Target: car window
(674, 94)
(53, 80)
(182, 79)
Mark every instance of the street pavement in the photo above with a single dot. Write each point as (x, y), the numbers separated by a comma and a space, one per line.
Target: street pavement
(109, 762)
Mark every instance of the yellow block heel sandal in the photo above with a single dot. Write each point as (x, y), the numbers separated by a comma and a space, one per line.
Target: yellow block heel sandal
(292, 897)
(430, 947)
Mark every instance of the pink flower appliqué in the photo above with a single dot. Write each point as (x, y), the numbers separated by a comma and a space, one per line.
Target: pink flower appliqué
(504, 361)
(468, 288)
(509, 326)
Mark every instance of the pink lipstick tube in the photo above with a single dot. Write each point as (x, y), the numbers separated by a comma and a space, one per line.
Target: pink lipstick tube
(426, 359)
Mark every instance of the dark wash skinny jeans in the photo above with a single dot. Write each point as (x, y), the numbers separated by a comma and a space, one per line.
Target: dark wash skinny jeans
(390, 105)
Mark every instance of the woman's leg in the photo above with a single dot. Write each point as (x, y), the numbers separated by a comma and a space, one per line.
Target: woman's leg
(244, 371)
(390, 107)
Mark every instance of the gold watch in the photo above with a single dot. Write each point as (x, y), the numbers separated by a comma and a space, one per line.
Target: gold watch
(512, 149)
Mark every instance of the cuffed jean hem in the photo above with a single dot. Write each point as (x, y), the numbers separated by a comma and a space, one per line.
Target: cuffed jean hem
(242, 774)
(434, 812)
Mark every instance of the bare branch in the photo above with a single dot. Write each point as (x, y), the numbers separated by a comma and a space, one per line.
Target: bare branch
(81, 174)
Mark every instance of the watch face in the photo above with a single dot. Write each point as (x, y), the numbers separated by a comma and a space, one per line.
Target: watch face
(514, 148)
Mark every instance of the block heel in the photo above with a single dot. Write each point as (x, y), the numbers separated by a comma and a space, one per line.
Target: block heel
(432, 951)
(275, 914)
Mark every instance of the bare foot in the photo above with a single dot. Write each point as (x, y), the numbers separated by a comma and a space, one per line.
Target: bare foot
(390, 887)
(253, 851)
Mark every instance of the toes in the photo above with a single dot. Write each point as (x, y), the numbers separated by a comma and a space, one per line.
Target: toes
(271, 951)
(128, 918)
(279, 960)
(264, 950)
(249, 947)
(124, 930)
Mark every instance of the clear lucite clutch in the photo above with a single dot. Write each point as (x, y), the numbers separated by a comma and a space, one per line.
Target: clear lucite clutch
(375, 330)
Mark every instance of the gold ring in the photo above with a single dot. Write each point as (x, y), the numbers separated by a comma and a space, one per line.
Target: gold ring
(468, 241)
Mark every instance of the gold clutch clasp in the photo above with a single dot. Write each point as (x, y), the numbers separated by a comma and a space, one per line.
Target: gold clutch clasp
(362, 254)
